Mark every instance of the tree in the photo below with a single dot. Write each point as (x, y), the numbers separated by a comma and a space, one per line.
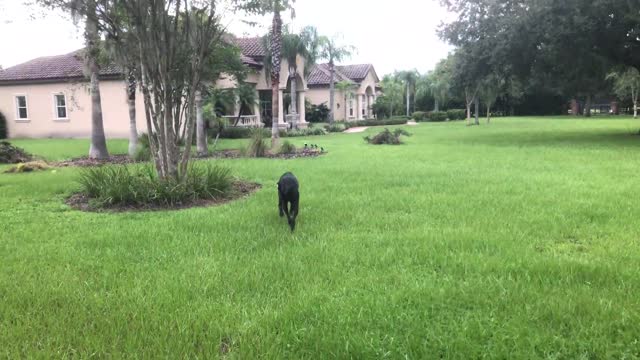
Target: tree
(333, 52)
(409, 78)
(88, 10)
(627, 83)
(393, 91)
(245, 96)
(492, 87)
(183, 32)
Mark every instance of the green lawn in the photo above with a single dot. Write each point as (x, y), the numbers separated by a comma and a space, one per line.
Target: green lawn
(516, 240)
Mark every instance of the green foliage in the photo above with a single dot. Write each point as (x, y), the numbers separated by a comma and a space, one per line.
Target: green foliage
(109, 186)
(231, 132)
(10, 154)
(397, 120)
(287, 148)
(437, 116)
(317, 113)
(3, 126)
(257, 144)
(387, 137)
(336, 127)
(456, 114)
(314, 131)
(420, 116)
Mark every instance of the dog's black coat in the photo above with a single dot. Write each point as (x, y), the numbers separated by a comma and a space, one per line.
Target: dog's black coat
(288, 194)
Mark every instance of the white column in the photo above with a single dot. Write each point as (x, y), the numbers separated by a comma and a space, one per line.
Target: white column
(281, 108)
(256, 107)
(236, 106)
(301, 107)
(359, 107)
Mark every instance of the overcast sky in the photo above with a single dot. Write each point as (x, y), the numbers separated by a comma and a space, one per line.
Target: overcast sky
(392, 35)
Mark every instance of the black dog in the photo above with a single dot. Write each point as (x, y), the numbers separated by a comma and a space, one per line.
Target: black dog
(288, 194)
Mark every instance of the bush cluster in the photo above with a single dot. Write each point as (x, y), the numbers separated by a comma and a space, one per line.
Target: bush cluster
(317, 113)
(336, 127)
(3, 127)
(230, 132)
(456, 114)
(313, 131)
(420, 116)
(383, 122)
(121, 185)
(387, 137)
(437, 116)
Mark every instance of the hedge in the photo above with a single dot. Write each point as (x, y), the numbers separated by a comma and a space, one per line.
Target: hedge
(3, 126)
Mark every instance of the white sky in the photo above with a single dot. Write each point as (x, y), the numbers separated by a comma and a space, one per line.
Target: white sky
(395, 35)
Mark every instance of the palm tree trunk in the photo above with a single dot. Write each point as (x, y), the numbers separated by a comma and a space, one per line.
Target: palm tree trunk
(131, 102)
(276, 55)
(98, 149)
(488, 113)
(408, 100)
(332, 90)
(201, 135)
(436, 107)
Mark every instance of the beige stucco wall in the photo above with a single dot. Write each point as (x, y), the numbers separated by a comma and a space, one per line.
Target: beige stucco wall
(319, 95)
(40, 106)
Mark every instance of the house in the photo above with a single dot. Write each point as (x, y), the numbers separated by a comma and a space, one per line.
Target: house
(354, 103)
(49, 96)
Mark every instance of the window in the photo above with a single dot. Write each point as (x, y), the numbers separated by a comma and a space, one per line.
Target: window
(21, 108)
(60, 103)
(350, 108)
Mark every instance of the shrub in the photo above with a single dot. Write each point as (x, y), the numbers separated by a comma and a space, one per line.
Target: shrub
(287, 148)
(10, 154)
(317, 113)
(28, 167)
(257, 144)
(456, 114)
(314, 131)
(387, 137)
(438, 116)
(143, 152)
(3, 126)
(336, 127)
(420, 116)
(231, 133)
(139, 186)
(384, 122)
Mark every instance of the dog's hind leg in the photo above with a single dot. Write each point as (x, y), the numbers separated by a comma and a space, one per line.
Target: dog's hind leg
(281, 203)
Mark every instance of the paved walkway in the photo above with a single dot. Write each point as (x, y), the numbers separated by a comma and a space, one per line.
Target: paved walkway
(360, 129)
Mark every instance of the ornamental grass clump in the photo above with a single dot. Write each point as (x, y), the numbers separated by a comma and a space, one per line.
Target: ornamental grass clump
(287, 148)
(123, 186)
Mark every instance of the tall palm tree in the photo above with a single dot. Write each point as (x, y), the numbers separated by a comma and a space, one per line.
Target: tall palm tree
(409, 78)
(333, 52)
(275, 50)
(313, 42)
(293, 45)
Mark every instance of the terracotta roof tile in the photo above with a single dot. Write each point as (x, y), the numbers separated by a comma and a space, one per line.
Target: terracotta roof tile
(66, 66)
(252, 47)
(319, 75)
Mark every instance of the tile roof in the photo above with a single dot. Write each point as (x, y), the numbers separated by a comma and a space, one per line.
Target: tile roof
(320, 74)
(252, 47)
(68, 66)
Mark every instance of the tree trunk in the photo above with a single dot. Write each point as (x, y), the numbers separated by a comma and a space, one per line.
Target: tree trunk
(294, 96)
(408, 100)
(587, 106)
(488, 113)
(332, 90)
(131, 102)
(201, 134)
(468, 113)
(98, 149)
(436, 107)
(635, 109)
(276, 55)
(477, 103)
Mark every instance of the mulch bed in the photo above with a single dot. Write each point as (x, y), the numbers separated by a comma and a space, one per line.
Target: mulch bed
(86, 162)
(240, 190)
(237, 154)
(222, 154)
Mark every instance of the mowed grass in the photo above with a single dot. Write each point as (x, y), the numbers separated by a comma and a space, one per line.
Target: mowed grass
(514, 240)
